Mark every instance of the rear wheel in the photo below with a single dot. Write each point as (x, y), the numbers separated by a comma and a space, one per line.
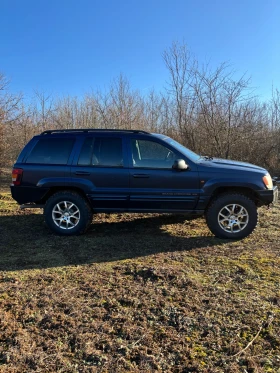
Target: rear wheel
(232, 216)
(67, 213)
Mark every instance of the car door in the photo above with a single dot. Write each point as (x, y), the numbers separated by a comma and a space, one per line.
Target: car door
(154, 184)
(102, 167)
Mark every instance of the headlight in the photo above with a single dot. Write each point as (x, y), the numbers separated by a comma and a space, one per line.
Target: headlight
(268, 181)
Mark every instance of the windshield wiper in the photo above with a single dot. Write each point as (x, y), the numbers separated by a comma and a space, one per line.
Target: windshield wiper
(207, 157)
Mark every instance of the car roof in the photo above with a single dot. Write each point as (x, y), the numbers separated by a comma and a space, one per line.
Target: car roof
(80, 131)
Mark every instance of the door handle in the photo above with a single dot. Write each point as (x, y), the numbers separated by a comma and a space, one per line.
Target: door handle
(141, 176)
(84, 173)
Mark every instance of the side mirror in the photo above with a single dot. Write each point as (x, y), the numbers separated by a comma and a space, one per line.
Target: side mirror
(180, 165)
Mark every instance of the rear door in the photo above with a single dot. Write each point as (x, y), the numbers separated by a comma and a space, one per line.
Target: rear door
(101, 165)
(154, 184)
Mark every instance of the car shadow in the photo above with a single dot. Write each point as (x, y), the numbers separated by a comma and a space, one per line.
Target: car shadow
(27, 243)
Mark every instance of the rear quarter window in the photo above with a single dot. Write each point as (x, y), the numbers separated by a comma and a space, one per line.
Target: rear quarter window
(51, 151)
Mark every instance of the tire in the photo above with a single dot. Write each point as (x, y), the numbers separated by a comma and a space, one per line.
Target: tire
(67, 213)
(232, 216)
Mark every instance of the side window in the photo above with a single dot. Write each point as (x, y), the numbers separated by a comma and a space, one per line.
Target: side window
(87, 157)
(146, 153)
(51, 151)
(102, 151)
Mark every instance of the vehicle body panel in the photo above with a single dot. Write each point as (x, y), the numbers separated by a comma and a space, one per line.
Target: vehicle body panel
(138, 189)
(107, 188)
(161, 189)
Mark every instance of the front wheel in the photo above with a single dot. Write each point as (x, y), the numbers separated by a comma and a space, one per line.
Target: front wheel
(232, 216)
(67, 213)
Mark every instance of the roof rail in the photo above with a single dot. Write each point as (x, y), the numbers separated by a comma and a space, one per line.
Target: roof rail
(48, 132)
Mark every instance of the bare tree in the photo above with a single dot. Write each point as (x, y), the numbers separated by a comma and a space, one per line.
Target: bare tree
(121, 107)
(182, 67)
(43, 109)
(221, 103)
(210, 110)
(9, 113)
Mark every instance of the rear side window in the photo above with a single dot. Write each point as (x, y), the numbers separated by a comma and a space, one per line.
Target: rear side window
(51, 151)
(102, 151)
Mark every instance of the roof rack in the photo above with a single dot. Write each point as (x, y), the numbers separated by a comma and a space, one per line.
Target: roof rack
(48, 132)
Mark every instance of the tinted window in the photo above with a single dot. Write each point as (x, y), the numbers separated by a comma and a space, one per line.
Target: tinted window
(51, 151)
(151, 154)
(87, 157)
(102, 151)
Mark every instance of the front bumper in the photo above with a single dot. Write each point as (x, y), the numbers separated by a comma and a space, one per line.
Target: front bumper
(266, 197)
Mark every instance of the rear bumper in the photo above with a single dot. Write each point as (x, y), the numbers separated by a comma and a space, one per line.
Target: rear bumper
(24, 194)
(268, 196)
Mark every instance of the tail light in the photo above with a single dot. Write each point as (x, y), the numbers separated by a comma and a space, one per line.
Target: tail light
(17, 176)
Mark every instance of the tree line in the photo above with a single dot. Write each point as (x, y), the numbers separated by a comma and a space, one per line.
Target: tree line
(209, 110)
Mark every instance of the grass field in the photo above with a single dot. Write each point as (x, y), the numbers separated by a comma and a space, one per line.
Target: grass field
(137, 293)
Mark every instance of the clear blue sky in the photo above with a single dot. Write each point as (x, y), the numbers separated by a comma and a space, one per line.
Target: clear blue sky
(70, 46)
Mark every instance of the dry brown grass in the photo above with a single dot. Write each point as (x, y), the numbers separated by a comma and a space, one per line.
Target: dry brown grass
(137, 293)
(5, 178)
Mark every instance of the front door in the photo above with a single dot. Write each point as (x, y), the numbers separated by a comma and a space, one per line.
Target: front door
(102, 167)
(154, 184)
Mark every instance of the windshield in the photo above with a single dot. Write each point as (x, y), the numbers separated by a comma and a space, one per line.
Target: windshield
(187, 152)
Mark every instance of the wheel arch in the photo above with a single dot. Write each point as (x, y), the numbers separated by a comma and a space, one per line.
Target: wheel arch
(56, 189)
(246, 191)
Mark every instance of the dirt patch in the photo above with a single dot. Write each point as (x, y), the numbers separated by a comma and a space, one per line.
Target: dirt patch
(137, 293)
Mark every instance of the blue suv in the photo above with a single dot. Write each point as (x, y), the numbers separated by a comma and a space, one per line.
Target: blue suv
(73, 174)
